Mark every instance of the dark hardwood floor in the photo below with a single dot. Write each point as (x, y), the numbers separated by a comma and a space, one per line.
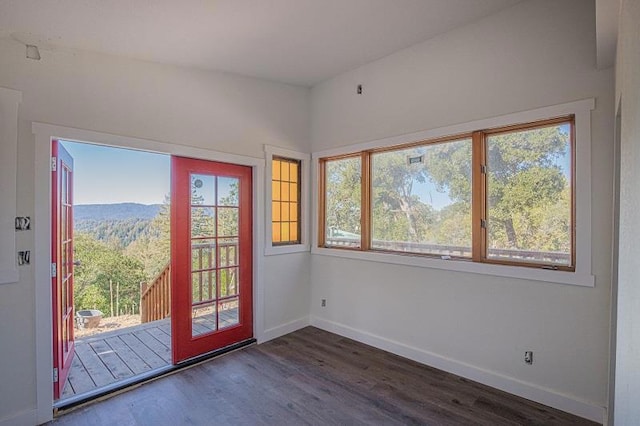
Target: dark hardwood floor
(314, 377)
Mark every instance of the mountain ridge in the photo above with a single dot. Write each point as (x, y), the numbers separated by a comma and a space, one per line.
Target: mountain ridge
(115, 211)
(116, 223)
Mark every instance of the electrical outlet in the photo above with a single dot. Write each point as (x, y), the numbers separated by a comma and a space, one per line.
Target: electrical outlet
(323, 303)
(528, 357)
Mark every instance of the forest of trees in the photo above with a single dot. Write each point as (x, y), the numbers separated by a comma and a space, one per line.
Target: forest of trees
(117, 224)
(119, 246)
(528, 193)
(117, 251)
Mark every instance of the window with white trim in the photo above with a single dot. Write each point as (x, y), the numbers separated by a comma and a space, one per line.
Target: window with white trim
(287, 200)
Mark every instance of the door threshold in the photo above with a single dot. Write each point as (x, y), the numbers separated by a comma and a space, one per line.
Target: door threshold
(65, 405)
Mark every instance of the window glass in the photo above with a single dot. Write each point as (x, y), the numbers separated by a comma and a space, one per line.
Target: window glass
(503, 195)
(529, 195)
(343, 187)
(285, 201)
(421, 199)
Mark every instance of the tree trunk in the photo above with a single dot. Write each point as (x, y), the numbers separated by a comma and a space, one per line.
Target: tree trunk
(511, 233)
(118, 298)
(143, 305)
(111, 295)
(405, 206)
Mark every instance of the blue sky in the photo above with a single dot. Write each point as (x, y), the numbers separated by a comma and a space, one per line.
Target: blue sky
(429, 194)
(105, 175)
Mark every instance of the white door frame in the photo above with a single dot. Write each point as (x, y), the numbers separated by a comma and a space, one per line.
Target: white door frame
(44, 133)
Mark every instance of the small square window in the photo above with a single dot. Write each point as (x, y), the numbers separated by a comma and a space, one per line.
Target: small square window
(285, 204)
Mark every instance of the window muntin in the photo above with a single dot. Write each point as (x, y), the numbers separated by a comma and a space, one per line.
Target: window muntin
(285, 201)
(421, 199)
(343, 202)
(367, 224)
(529, 195)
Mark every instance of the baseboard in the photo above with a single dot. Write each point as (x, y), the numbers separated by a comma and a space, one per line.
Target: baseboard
(283, 329)
(508, 384)
(24, 418)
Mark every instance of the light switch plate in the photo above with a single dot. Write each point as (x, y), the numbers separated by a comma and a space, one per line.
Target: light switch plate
(24, 257)
(23, 223)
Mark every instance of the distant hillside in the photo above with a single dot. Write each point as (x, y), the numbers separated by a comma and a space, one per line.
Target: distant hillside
(120, 211)
(120, 223)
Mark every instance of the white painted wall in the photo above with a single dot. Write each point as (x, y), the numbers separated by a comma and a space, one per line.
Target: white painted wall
(627, 379)
(535, 54)
(216, 111)
(9, 101)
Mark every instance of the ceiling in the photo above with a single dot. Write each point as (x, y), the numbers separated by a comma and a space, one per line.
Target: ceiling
(299, 42)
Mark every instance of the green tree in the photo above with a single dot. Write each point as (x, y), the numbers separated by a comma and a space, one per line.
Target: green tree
(398, 213)
(525, 184)
(343, 189)
(528, 192)
(228, 220)
(105, 274)
(153, 249)
(228, 223)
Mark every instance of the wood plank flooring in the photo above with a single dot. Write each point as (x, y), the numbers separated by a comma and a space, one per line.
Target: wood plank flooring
(312, 377)
(106, 358)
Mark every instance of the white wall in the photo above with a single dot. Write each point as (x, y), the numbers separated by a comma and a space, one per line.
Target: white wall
(9, 101)
(535, 54)
(138, 99)
(627, 379)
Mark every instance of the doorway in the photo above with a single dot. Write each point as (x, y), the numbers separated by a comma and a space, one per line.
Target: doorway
(212, 268)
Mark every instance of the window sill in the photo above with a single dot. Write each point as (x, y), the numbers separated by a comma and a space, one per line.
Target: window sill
(534, 274)
(294, 248)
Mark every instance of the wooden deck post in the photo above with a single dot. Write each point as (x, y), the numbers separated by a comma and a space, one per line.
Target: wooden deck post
(143, 305)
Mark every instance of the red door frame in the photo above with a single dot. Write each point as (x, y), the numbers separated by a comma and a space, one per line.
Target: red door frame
(63, 322)
(183, 345)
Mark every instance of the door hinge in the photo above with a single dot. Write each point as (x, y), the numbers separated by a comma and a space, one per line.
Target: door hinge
(483, 169)
(55, 375)
(483, 223)
(54, 270)
(54, 164)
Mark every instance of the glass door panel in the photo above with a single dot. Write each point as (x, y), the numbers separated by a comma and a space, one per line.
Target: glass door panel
(62, 258)
(215, 200)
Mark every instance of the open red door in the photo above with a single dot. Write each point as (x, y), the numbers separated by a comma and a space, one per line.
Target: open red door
(211, 256)
(62, 264)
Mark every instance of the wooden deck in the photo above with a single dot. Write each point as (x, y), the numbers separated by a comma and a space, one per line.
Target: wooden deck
(107, 358)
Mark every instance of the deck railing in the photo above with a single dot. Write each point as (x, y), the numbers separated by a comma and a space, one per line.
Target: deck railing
(204, 275)
(155, 298)
(439, 249)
